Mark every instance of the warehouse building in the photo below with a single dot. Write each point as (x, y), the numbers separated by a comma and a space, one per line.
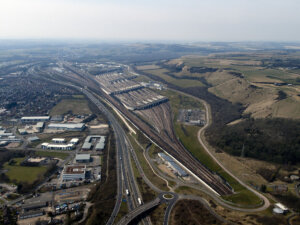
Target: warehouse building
(86, 146)
(32, 119)
(33, 139)
(74, 141)
(88, 142)
(4, 134)
(280, 209)
(100, 144)
(58, 140)
(40, 126)
(9, 139)
(177, 169)
(57, 118)
(83, 158)
(31, 214)
(57, 146)
(165, 158)
(74, 173)
(172, 165)
(22, 131)
(67, 126)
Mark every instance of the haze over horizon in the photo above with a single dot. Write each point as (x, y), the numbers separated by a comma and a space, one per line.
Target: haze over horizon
(165, 20)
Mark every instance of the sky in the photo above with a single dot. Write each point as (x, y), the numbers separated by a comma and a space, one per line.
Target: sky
(151, 20)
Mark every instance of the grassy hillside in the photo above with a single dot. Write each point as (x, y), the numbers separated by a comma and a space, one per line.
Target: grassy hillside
(241, 86)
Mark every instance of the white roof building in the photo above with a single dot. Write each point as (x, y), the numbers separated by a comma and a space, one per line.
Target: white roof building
(58, 140)
(35, 118)
(83, 157)
(281, 206)
(67, 126)
(74, 173)
(57, 146)
(74, 141)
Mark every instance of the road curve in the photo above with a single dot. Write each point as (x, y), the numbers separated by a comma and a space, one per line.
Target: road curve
(199, 134)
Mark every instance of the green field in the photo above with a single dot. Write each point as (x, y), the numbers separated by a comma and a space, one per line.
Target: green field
(178, 82)
(188, 136)
(17, 173)
(76, 105)
(60, 155)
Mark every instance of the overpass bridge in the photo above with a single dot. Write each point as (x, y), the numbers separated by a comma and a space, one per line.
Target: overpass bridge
(138, 211)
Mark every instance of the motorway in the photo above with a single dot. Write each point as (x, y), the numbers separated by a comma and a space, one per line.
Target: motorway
(124, 169)
(174, 148)
(125, 173)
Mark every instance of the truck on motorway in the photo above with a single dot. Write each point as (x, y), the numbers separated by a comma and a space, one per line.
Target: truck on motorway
(127, 192)
(140, 201)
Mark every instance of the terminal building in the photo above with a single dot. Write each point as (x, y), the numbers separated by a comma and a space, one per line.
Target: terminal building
(173, 165)
(33, 119)
(67, 126)
(74, 173)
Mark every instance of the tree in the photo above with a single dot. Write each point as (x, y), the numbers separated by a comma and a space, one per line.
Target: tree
(263, 188)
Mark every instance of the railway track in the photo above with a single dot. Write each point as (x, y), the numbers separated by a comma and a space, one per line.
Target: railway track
(171, 145)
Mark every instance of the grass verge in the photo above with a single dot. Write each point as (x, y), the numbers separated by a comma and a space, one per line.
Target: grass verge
(147, 193)
(122, 212)
(146, 168)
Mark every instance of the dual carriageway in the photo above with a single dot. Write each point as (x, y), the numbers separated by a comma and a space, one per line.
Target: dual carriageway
(124, 170)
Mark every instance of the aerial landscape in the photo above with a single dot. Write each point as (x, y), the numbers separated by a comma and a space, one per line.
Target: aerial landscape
(105, 121)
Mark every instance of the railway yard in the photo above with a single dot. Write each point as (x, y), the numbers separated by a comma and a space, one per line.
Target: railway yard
(159, 116)
(131, 94)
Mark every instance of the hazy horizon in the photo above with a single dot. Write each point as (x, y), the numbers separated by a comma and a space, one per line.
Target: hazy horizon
(165, 20)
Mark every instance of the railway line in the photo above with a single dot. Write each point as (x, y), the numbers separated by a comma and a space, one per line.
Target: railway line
(125, 175)
(172, 146)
